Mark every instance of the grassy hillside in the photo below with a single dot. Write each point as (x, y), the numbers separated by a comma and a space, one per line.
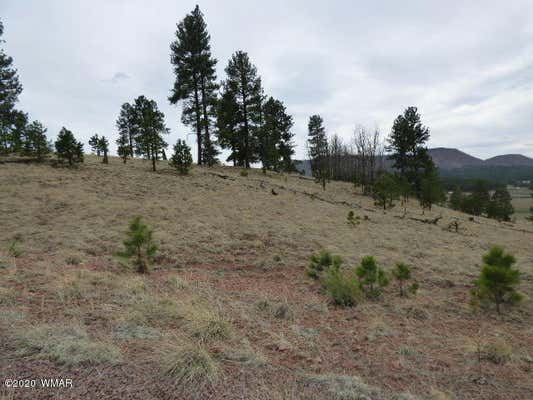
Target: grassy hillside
(227, 310)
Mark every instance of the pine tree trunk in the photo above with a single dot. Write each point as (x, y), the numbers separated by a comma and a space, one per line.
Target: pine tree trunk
(206, 121)
(198, 122)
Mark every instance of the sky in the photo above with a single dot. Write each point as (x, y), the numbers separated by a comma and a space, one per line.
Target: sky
(466, 65)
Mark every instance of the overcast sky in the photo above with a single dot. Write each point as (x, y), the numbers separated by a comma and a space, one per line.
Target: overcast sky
(467, 65)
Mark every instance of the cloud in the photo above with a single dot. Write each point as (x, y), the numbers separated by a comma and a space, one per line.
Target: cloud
(467, 66)
(118, 77)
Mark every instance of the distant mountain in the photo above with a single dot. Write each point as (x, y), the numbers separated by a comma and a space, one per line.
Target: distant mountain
(510, 160)
(446, 158)
(456, 162)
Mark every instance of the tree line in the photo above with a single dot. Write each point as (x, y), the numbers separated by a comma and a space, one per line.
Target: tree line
(363, 160)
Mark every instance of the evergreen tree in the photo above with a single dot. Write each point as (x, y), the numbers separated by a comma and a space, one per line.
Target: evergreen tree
(318, 148)
(150, 123)
(103, 147)
(94, 142)
(182, 158)
(127, 130)
(139, 243)
(497, 281)
(275, 137)
(241, 116)
(195, 83)
(478, 201)
(228, 125)
(68, 148)
(431, 191)
(456, 199)
(407, 144)
(385, 190)
(372, 277)
(10, 88)
(123, 147)
(36, 144)
(500, 206)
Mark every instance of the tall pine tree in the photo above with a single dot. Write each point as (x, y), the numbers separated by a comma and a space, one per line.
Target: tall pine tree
(275, 145)
(407, 144)
(11, 121)
(150, 123)
(317, 145)
(195, 82)
(127, 129)
(240, 109)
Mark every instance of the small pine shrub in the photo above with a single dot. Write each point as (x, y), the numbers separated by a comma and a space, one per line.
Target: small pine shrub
(244, 173)
(139, 243)
(372, 277)
(402, 273)
(321, 262)
(353, 219)
(14, 250)
(497, 281)
(344, 289)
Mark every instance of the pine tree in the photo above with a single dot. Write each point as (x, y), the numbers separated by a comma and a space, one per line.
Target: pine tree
(407, 144)
(318, 148)
(240, 117)
(385, 190)
(372, 277)
(150, 123)
(500, 206)
(497, 281)
(275, 146)
(103, 147)
(123, 148)
(478, 201)
(228, 125)
(431, 191)
(182, 158)
(456, 199)
(139, 243)
(68, 148)
(195, 83)
(402, 273)
(36, 144)
(94, 142)
(127, 130)
(10, 89)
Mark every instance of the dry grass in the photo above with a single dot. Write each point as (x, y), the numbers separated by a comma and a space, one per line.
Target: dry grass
(229, 286)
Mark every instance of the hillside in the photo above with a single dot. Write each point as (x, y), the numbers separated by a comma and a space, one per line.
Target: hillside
(228, 294)
(446, 158)
(510, 160)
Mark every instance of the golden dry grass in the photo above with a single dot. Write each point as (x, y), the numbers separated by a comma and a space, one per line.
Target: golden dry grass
(230, 278)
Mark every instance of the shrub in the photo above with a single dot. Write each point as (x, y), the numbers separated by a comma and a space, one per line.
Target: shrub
(372, 277)
(139, 243)
(182, 158)
(385, 191)
(402, 273)
(497, 281)
(243, 172)
(321, 262)
(190, 365)
(353, 219)
(498, 351)
(342, 288)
